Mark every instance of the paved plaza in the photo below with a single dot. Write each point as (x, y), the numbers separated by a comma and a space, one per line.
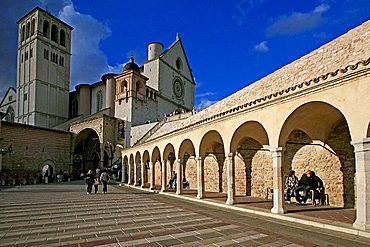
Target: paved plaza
(63, 214)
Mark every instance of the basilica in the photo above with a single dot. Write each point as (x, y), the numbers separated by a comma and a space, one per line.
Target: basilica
(310, 115)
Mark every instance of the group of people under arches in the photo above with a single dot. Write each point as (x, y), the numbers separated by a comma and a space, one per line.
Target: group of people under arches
(308, 186)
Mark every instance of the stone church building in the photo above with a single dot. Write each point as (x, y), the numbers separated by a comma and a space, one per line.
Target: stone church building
(312, 114)
(118, 109)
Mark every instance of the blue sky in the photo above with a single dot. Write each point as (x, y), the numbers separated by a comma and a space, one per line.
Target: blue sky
(229, 44)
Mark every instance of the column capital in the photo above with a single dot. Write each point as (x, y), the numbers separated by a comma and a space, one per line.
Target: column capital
(199, 158)
(361, 145)
(230, 155)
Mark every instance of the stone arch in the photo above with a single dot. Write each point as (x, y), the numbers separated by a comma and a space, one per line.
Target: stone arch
(131, 169)
(47, 170)
(54, 33)
(125, 168)
(169, 157)
(10, 114)
(45, 29)
(62, 37)
(368, 130)
(145, 163)
(212, 150)
(156, 159)
(253, 163)
(87, 145)
(316, 137)
(187, 155)
(137, 166)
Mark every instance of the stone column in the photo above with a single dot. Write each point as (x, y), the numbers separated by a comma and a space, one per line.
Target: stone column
(136, 175)
(143, 167)
(230, 179)
(164, 176)
(362, 163)
(130, 173)
(200, 178)
(124, 171)
(277, 167)
(179, 177)
(152, 174)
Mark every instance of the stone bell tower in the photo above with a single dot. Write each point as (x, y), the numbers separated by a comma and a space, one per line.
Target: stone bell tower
(43, 69)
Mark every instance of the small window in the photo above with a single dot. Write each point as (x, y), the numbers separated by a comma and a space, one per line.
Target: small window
(62, 38)
(33, 25)
(23, 33)
(54, 33)
(99, 100)
(45, 29)
(26, 56)
(10, 98)
(31, 53)
(28, 30)
(25, 97)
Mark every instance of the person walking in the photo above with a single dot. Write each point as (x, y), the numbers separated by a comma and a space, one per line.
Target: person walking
(89, 181)
(96, 184)
(104, 177)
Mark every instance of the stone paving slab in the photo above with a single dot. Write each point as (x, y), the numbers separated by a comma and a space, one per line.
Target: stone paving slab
(127, 217)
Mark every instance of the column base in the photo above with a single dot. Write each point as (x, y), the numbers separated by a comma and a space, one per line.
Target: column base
(361, 226)
(200, 196)
(277, 210)
(229, 202)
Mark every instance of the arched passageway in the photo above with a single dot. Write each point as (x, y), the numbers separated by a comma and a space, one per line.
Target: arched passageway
(169, 158)
(316, 137)
(157, 168)
(253, 162)
(189, 165)
(87, 153)
(145, 169)
(212, 149)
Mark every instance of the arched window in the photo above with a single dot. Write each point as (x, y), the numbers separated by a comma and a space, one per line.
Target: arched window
(99, 100)
(123, 87)
(28, 30)
(10, 114)
(23, 33)
(45, 29)
(179, 63)
(33, 26)
(147, 93)
(62, 38)
(151, 94)
(54, 33)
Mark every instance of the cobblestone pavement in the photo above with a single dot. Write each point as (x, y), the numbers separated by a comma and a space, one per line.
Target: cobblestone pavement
(63, 214)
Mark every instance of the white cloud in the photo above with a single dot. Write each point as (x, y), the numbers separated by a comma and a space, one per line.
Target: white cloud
(204, 94)
(204, 103)
(244, 7)
(321, 8)
(88, 61)
(261, 47)
(298, 22)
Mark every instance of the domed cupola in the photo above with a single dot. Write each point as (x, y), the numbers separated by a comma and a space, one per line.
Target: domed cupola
(131, 65)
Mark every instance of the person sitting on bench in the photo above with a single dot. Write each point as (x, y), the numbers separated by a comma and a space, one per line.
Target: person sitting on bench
(305, 184)
(291, 183)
